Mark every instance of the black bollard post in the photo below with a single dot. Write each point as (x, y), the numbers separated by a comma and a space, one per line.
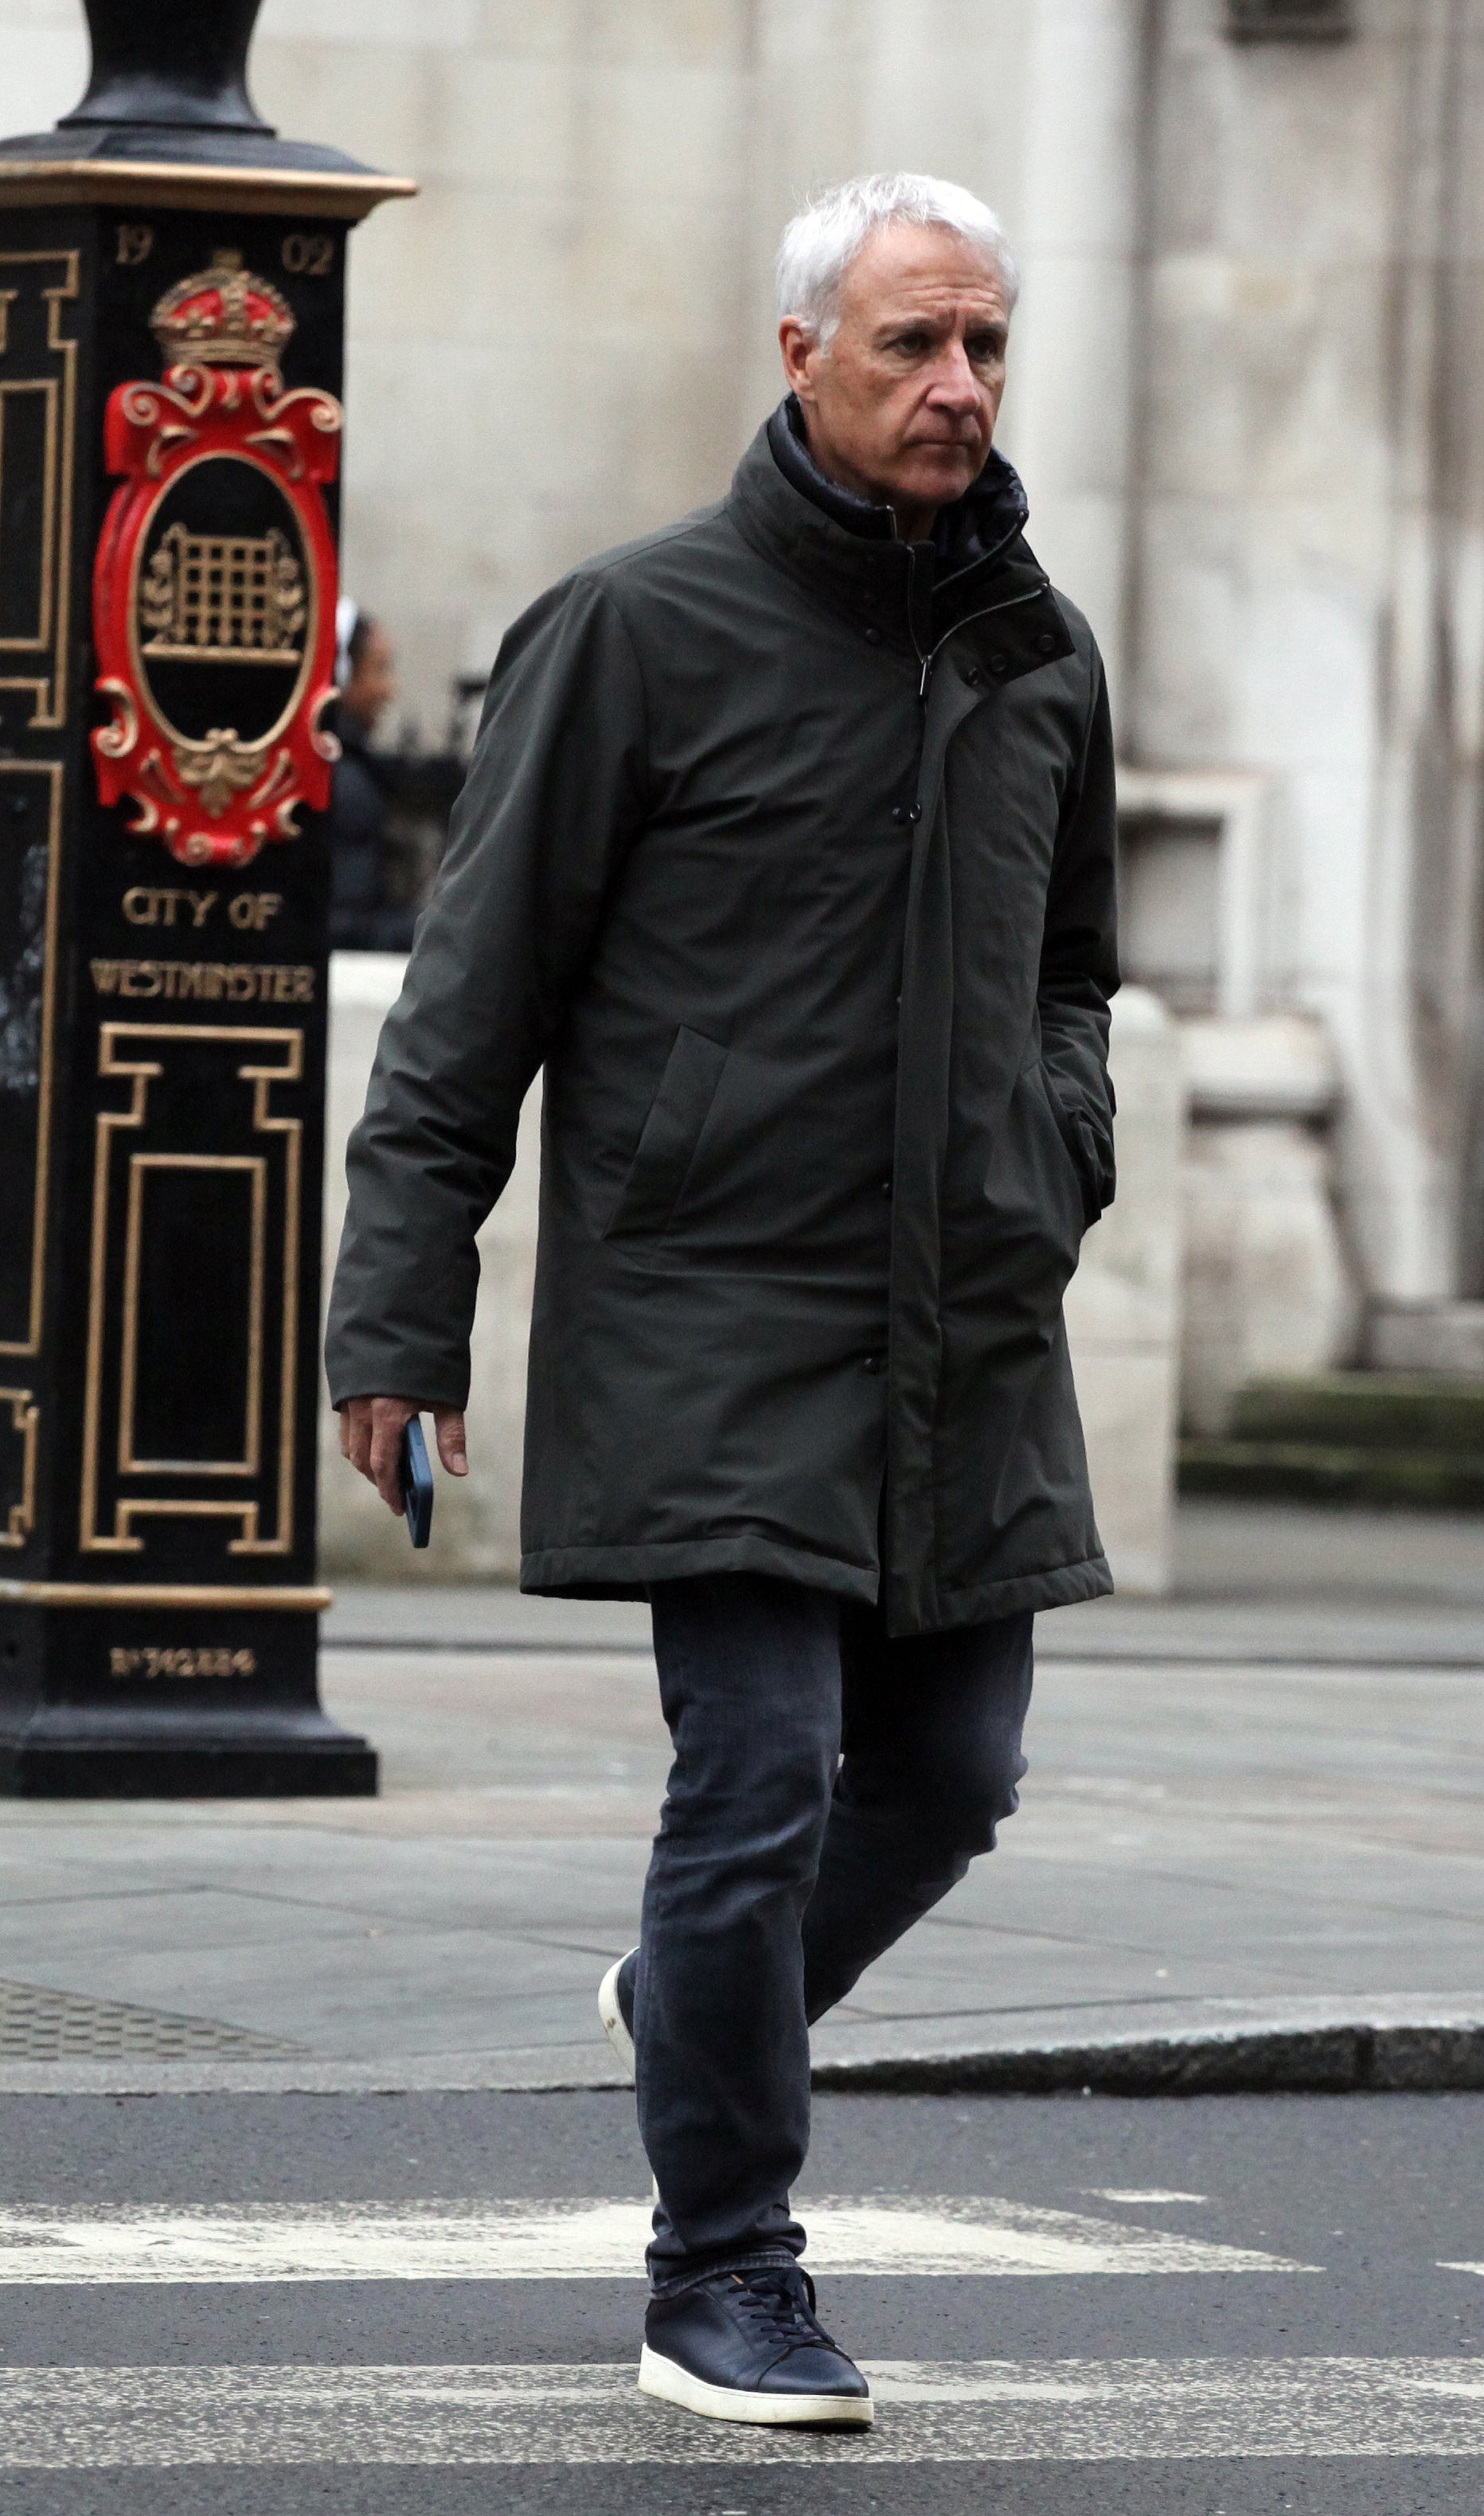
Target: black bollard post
(171, 319)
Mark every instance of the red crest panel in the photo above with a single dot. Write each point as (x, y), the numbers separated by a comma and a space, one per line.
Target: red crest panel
(214, 589)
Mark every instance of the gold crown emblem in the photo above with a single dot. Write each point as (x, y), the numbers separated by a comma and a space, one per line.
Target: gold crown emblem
(221, 318)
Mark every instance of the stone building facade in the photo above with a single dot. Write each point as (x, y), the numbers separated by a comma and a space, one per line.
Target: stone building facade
(1242, 399)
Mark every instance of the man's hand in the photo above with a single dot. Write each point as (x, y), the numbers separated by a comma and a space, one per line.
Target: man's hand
(371, 1437)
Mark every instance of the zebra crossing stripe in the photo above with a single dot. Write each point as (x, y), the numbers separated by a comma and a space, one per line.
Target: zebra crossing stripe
(985, 2412)
(584, 2239)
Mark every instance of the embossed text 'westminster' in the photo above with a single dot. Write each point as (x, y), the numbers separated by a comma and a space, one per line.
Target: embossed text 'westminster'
(235, 982)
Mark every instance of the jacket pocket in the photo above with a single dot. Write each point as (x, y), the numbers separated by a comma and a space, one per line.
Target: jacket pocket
(1089, 1149)
(670, 1135)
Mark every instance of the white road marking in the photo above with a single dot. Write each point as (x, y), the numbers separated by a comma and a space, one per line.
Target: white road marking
(573, 2240)
(1139, 2193)
(1462, 2267)
(985, 2412)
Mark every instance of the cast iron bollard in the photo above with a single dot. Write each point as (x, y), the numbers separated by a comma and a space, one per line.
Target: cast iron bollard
(171, 315)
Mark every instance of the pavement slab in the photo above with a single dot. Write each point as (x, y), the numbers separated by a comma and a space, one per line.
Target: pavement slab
(1213, 1842)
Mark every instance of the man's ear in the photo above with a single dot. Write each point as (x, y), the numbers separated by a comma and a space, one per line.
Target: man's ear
(799, 345)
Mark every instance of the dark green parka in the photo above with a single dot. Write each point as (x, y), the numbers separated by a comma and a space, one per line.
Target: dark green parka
(788, 851)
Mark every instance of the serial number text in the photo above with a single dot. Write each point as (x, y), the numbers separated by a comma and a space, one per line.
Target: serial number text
(180, 1660)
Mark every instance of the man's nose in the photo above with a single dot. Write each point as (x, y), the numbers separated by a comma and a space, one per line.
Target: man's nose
(954, 387)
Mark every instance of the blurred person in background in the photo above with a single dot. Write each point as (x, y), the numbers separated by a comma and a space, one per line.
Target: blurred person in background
(787, 851)
(364, 916)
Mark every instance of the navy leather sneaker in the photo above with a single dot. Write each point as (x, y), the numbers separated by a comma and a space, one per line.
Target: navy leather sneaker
(615, 2007)
(748, 2346)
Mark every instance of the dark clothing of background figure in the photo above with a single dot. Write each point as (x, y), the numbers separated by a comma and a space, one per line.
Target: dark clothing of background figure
(363, 916)
(787, 851)
(780, 1872)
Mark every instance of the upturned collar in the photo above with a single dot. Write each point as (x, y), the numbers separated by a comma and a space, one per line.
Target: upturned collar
(846, 550)
(987, 518)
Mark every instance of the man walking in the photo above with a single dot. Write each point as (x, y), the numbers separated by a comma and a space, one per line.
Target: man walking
(788, 852)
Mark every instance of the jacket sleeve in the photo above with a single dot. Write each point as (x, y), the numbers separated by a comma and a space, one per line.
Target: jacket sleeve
(554, 796)
(1079, 956)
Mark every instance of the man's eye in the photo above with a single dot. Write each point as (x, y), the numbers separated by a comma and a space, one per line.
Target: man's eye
(913, 343)
(984, 349)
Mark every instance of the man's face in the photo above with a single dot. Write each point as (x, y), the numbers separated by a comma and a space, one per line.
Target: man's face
(902, 400)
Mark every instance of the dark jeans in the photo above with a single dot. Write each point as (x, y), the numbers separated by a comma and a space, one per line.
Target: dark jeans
(780, 1871)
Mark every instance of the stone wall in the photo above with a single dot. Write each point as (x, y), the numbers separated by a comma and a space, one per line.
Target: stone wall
(476, 1522)
(544, 346)
(1122, 1315)
(1124, 1305)
(1304, 586)
(1269, 1286)
(567, 337)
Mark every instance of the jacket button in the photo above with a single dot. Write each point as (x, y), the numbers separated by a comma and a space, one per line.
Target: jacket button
(870, 1362)
(885, 1188)
(873, 636)
(900, 814)
(999, 664)
(1045, 642)
(973, 677)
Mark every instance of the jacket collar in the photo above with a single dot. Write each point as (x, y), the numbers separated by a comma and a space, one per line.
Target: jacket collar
(988, 518)
(844, 550)
(789, 447)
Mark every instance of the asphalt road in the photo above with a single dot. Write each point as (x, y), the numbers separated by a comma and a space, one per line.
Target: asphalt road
(1269, 2279)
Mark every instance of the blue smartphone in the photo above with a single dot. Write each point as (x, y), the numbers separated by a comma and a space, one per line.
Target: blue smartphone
(415, 1477)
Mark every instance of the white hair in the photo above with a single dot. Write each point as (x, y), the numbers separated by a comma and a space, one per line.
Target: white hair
(820, 244)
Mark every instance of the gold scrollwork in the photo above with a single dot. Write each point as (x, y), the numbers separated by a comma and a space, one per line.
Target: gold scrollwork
(26, 1420)
(326, 743)
(144, 405)
(327, 415)
(119, 738)
(324, 413)
(218, 769)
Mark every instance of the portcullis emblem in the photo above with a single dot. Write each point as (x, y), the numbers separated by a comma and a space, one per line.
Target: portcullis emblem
(214, 593)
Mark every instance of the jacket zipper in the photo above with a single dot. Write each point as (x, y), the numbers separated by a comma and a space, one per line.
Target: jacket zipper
(1031, 595)
(929, 659)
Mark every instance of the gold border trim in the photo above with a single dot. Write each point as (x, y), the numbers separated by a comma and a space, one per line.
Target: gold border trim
(157, 1594)
(50, 687)
(300, 191)
(26, 1420)
(108, 1125)
(50, 389)
(255, 1166)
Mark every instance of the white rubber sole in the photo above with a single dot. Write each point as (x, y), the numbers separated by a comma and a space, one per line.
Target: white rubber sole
(612, 2016)
(672, 2383)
